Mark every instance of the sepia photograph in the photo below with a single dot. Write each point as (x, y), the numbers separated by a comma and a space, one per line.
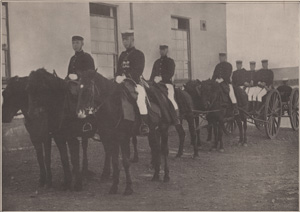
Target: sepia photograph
(150, 105)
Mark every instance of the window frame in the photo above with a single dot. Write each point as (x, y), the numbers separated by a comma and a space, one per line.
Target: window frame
(115, 17)
(8, 67)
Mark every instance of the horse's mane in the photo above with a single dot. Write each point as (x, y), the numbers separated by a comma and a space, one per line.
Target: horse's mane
(215, 87)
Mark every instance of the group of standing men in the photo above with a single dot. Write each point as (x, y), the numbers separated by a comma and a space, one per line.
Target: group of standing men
(131, 65)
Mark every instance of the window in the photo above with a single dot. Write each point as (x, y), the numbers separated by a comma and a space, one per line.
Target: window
(104, 38)
(5, 44)
(180, 47)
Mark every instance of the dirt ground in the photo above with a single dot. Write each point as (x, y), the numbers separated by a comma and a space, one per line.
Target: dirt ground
(262, 176)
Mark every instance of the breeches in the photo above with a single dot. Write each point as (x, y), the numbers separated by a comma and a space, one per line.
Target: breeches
(141, 99)
(256, 93)
(171, 95)
(231, 94)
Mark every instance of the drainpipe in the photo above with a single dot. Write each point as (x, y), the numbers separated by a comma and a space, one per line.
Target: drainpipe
(131, 16)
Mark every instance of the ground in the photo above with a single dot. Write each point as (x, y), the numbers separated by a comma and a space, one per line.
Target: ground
(262, 176)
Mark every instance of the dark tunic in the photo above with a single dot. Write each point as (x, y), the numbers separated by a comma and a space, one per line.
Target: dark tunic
(264, 75)
(164, 67)
(239, 77)
(81, 61)
(285, 92)
(131, 63)
(223, 70)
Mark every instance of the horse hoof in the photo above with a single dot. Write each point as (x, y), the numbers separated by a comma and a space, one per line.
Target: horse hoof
(221, 150)
(128, 191)
(134, 160)
(113, 189)
(166, 179)
(155, 178)
(245, 144)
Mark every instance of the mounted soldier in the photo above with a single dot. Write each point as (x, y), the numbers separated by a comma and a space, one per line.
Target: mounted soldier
(222, 74)
(131, 65)
(81, 61)
(263, 82)
(162, 72)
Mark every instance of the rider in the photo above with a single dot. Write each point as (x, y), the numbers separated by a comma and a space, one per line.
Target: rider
(131, 65)
(239, 75)
(162, 73)
(222, 74)
(263, 80)
(81, 61)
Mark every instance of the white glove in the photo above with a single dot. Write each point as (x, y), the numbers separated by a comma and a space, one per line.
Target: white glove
(157, 79)
(219, 80)
(120, 79)
(73, 76)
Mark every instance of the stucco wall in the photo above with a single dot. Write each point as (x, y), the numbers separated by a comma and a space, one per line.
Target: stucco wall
(152, 24)
(258, 31)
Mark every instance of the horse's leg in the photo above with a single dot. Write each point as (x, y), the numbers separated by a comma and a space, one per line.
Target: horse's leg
(165, 152)
(240, 126)
(209, 132)
(107, 161)
(116, 170)
(125, 148)
(47, 148)
(197, 120)
(62, 147)
(220, 135)
(215, 129)
(190, 120)
(154, 141)
(74, 152)
(135, 150)
(38, 145)
(181, 135)
(245, 129)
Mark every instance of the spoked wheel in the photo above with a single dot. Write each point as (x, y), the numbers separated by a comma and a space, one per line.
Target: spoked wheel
(272, 113)
(229, 127)
(294, 109)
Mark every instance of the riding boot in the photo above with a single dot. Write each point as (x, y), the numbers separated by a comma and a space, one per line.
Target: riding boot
(258, 106)
(250, 107)
(144, 128)
(235, 110)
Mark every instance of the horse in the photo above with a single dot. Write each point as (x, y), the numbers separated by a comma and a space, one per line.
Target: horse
(103, 97)
(192, 88)
(211, 94)
(49, 101)
(15, 98)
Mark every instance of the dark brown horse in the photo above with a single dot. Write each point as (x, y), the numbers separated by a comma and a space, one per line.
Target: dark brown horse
(211, 94)
(103, 97)
(50, 103)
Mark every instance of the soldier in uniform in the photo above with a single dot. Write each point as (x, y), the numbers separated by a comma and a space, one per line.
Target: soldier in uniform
(162, 73)
(249, 84)
(239, 75)
(285, 90)
(222, 74)
(131, 65)
(263, 80)
(81, 61)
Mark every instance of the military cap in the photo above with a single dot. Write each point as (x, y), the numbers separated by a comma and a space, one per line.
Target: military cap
(239, 62)
(162, 47)
(77, 37)
(285, 79)
(222, 54)
(264, 61)
(127, 33)
(252, 62)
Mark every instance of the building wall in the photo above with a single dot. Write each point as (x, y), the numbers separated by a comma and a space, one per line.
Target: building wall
(40, 33)
(264, 31)
(152, 24)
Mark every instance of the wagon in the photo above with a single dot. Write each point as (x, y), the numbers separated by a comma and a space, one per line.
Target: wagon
(269, 116)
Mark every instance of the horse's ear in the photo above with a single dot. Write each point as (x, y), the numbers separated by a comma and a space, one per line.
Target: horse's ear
(54, 73)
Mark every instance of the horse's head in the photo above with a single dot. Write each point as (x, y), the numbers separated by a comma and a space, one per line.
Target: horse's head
(43, 89)
(193, 88)
(86, 99)
(14, 97)
(209, 93)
